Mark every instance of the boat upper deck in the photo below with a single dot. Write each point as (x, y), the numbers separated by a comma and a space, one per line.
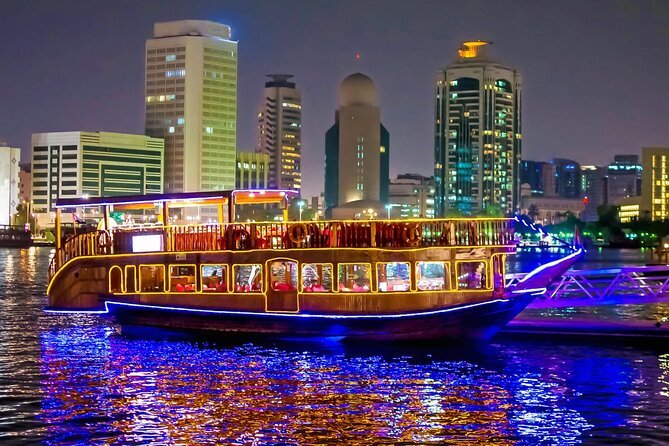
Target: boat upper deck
(110, 238)
(387, 234)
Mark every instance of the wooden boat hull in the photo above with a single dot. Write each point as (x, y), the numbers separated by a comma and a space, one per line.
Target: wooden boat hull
(473, 321)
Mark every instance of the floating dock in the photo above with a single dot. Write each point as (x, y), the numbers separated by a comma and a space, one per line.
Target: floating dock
(636, 331)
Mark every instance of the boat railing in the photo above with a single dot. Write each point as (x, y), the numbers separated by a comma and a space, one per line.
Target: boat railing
(290, 235)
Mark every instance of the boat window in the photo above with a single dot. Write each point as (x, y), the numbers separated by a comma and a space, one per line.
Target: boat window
(248, 278)
(283, 275)
(152, 278)
(182, 278)
(431, 276)
(498, 263)
(130, 273)
(115, 280)
(316, 277)
(214, 278)
(393, 276)
(355, 277)
(471, 275)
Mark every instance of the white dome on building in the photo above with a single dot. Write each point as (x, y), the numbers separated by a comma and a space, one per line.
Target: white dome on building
(357, 89)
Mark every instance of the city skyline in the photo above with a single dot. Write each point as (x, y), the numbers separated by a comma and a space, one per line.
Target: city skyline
(573, 92)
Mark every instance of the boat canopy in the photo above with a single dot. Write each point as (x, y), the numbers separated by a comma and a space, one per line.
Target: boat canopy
(184, 199)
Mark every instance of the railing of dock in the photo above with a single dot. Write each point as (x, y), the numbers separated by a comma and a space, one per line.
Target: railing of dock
(290, 235)
(616, 284)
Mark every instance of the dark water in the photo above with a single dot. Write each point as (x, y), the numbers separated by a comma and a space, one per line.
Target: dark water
(74, 379)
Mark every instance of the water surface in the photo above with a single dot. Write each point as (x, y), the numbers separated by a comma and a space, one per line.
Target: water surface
(75, 379)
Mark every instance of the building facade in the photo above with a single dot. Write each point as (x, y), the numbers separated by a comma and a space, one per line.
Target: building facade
(357, 149)
(531, 172)
(191, 102)
(655, 195)
(97, 164)
(10, 157)
(552, 210)
(478, 134)
(624, 177)
(593, 187)
(411, 196)
(279, 132)
(25, 182)
(252, 170)
(567, 178)
(629, 209)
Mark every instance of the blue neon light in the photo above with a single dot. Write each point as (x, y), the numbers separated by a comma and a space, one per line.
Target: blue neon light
(293, 315)
(551, 264)
(534, 291)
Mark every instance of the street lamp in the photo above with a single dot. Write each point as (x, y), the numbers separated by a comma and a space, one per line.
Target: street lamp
(300, 204)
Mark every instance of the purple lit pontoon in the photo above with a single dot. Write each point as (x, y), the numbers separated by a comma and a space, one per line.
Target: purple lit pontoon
(362, 279)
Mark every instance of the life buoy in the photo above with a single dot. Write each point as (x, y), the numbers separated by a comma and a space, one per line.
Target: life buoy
(411, 234)
(297, 233)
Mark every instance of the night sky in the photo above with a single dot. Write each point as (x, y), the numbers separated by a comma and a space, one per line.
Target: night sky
(595, 73)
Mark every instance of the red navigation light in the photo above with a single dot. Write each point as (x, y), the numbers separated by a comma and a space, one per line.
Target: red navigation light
(585, 200)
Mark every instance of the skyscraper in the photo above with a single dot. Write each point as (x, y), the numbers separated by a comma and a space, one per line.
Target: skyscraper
(191, 102)
(357, 149)
(477, 134)
(279, 132)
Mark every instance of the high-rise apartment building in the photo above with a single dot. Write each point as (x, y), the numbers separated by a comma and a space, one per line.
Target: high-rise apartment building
(477, 134)
(655, 194)
(10, 158)
(279, 132)
(97, 164)
(357, 149)
(252, 170)
(191, 102)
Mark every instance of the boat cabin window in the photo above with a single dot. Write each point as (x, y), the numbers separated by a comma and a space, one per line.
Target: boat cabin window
(182, 278)
(152, 278)
(115, 280)
(316, 277)
(214, 278)
(248, 278)
(472, 275)
(393, 276)
(130, 279)
(283, 275)
(355, 277)
(431, 276)
(498, 265)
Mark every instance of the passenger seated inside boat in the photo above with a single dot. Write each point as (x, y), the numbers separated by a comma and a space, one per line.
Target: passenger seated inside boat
(182, 278)
(316, 277)
(213, 279)
(354, 277)
(284, 275)
(248, 278)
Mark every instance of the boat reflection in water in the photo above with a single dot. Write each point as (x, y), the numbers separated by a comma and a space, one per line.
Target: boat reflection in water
(104, 387)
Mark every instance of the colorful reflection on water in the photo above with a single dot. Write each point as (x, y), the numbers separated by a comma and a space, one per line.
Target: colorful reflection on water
(74, 379)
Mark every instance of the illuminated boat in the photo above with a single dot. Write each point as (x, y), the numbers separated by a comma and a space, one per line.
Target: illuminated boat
(362, 279)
